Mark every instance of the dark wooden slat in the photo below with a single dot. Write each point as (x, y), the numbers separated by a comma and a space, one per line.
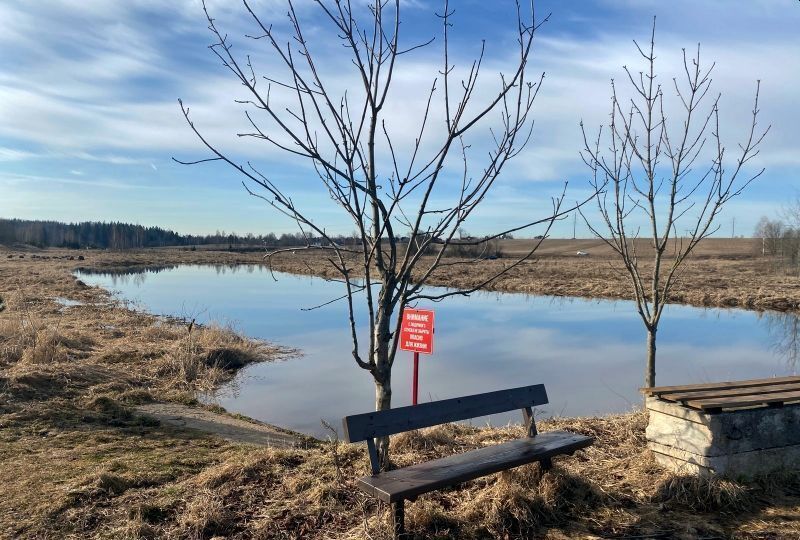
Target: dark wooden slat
(373, 456)
(710, 394)
(744, 401)
(360, 427)
(529, 421)
(399, 519)
(658, 390)
(409, 482)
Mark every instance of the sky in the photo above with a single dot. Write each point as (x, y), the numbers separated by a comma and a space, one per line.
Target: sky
(90, 121)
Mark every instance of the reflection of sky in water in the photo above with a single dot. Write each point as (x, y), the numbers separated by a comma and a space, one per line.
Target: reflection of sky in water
(588, 353)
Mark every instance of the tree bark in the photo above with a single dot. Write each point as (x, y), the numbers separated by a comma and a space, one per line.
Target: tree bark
(650, 373)
(383, 401)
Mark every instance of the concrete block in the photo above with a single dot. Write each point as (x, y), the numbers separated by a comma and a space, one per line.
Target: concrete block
(733, 443)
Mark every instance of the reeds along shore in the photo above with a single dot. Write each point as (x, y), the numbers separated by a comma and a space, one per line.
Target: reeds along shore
(78, 461)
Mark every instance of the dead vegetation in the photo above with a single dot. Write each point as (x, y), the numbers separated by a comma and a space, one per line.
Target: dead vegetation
(78, 461)
(612, 490)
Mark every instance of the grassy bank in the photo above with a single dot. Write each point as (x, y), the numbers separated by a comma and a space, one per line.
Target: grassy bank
(78, 461)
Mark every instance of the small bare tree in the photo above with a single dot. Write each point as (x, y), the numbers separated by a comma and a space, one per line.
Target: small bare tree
(380, 186)
(771, 233)
(655, 179)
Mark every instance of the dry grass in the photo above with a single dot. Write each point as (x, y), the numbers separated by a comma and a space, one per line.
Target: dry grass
(202, 357)
(722, 273)
(78, 462)
(68, 375)
(611, 490)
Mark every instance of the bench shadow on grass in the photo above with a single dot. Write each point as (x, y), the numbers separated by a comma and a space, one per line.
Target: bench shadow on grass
(519, 503)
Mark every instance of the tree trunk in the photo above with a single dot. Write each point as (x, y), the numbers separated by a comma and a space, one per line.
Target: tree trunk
(383, 401)
(650, 373)
(383, 371)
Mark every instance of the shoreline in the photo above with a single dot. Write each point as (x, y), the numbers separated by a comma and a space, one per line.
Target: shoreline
(710, 281)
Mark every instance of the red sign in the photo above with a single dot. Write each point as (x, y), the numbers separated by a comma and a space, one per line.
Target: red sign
(416, 331)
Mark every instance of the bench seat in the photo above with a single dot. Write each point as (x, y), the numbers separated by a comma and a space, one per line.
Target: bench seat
(409, 482)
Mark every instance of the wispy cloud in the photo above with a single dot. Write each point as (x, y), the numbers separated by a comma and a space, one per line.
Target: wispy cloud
(12, 154)
(45, 182)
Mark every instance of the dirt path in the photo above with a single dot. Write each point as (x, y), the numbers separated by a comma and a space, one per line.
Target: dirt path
(227, 427)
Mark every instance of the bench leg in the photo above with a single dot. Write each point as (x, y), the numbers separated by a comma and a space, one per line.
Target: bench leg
(398, 520)
(546, 464)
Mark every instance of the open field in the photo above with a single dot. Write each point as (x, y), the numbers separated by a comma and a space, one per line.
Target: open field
(79, 460)
(726, 248)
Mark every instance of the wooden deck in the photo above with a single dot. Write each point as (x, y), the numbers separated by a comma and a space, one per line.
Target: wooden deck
(715, 397)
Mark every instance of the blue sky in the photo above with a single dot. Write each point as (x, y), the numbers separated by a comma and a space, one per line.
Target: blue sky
(90, 120)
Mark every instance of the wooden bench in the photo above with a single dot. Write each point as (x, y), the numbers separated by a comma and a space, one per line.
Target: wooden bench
(407, 483)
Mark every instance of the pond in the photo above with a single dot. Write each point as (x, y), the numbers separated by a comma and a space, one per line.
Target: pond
(588, 353)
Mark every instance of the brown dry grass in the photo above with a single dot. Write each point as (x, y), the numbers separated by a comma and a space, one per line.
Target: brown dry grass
(77, 462)
(611, 490)
(722, 273)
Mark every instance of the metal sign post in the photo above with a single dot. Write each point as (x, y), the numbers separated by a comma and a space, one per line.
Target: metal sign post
(416, 335)
(415, 388)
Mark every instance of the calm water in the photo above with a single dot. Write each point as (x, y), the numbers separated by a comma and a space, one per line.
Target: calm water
(588, 353)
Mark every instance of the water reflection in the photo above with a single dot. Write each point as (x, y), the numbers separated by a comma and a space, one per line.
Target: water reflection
(588, 353)
(783, 329)
(125, 276)
(137, 275)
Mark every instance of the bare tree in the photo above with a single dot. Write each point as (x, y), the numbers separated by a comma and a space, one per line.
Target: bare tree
(656, 181)
(771, 233)
(380, 186)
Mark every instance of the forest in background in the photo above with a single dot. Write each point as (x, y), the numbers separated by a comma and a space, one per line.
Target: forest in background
(114, 235)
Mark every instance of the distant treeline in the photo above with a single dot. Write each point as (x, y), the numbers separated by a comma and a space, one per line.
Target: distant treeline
(101, 235)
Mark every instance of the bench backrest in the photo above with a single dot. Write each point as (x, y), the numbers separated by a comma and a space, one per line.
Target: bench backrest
(367, 426)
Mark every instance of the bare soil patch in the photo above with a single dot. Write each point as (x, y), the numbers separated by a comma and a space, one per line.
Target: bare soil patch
(230, 428)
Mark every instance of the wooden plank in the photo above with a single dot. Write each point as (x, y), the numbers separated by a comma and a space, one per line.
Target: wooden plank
(360, 427)
(658, 390)
(744, 401)
(409, 482)
(709, 394)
